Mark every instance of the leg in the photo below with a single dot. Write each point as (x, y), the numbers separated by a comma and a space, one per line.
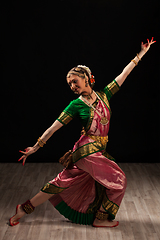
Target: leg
(101, 219)
(38, 199)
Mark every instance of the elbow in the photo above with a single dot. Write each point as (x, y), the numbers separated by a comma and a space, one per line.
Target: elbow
(125, 74)
(121, 78)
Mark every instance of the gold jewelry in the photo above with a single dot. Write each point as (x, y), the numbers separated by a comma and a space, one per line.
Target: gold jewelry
(104, 120)
(134, 61)
(27, 207)
(86, 85)
(100, 139)
(138, 57)
(41, 142)
(101, 215)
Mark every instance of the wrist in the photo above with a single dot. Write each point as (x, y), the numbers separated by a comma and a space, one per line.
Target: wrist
(142, 53)
(138, 57)
(36, 147)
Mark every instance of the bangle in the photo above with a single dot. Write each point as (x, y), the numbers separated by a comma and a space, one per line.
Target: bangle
(134, 62)
(138, 57)
(41, 142)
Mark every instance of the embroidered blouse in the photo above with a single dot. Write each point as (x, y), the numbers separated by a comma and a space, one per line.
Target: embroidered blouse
(78, 108)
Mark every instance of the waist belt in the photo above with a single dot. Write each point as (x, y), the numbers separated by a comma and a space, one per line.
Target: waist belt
(102, 140)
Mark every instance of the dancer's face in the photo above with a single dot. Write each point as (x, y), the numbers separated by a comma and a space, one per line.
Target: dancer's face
(77, 84)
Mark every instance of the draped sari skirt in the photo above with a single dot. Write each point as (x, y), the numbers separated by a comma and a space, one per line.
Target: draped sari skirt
(93, 181)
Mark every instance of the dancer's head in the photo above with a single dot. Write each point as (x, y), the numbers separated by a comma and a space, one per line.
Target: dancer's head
(80, 79)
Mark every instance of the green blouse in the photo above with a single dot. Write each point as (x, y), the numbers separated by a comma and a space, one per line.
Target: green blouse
(78, 108)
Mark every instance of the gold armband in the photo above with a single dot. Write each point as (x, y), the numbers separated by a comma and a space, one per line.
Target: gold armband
(41, 142)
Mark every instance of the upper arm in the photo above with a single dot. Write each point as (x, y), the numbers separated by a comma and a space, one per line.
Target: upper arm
(120, 78)
(111, 89)
(68, 113)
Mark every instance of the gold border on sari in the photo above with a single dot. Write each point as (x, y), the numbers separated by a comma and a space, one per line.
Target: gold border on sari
(103, 96)
(90, 119)
(87, 149)
(107, 155)
(109, 206)
(100, 192)
(64, 118)
(52, 189)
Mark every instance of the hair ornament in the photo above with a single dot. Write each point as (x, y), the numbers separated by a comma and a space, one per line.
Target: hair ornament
(92, 80)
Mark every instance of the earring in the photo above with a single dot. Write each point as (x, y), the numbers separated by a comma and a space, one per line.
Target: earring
(86, 84)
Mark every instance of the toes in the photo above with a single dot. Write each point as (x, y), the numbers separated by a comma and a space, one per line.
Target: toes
(13, 221)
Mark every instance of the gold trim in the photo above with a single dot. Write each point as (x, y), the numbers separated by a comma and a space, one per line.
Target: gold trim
(86, 150)
(100, 139)
(52, 189)
(65, 118)
(109, 206)
(107, 155)
(113, 87)
(103, 96)
(90, 119)
(100, 192)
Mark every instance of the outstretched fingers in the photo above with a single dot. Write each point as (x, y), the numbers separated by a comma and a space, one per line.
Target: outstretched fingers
(24, 156)
(20, 159)
(151, 42)
(24, 159)
(146, 46)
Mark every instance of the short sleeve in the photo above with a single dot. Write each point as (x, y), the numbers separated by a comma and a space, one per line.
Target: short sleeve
(111, 89)
(68, 113)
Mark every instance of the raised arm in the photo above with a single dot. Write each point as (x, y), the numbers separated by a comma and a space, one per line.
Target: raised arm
(126, 71)
(42, 140)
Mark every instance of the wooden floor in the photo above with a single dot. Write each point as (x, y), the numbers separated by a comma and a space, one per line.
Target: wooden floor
(139, 214)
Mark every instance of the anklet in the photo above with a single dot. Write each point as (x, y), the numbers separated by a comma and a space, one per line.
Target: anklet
(27, 207)
(101, 215)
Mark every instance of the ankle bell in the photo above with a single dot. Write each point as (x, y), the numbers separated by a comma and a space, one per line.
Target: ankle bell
(101, 215)
(27, 207)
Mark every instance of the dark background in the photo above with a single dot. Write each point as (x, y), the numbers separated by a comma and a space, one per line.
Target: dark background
(43, 40)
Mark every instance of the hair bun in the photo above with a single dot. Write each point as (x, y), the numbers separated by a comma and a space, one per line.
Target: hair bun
(86, 68)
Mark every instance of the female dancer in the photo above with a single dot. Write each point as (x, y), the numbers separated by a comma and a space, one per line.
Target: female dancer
(91, 190)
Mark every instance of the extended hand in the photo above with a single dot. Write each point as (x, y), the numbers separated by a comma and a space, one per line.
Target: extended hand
(146, 46)
(28, 151)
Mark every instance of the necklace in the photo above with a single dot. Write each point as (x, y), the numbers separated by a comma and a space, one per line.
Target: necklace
(88, 95)
(104, 120)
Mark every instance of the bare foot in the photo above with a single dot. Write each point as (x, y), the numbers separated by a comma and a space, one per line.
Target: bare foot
(19, 213)
(105, 223)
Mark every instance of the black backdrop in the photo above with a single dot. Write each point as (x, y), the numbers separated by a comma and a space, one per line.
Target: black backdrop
(42, 40)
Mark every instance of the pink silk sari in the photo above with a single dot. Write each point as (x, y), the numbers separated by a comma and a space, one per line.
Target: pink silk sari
(93, 180)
